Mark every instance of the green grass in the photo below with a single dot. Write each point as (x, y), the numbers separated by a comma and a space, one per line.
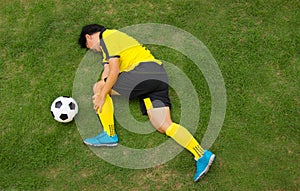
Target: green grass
(255, 43)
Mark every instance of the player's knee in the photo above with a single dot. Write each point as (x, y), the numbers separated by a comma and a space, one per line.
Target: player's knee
(161, 131)
(162, 127)
(159, 117)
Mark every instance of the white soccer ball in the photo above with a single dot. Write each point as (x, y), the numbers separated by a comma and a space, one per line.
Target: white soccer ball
(64, 109)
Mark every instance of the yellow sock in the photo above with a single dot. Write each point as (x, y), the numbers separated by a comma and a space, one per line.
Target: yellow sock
(107, 116)
(183, 137)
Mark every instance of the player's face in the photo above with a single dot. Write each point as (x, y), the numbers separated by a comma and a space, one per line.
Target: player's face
(93, 42)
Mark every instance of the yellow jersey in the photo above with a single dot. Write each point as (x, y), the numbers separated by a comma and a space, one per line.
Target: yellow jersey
(116, 44)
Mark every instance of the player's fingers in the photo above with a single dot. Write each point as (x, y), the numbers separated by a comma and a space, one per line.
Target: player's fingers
(99, 109)
(95, 107)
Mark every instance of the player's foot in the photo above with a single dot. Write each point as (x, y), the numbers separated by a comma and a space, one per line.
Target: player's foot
(103, 139)
(203, 164)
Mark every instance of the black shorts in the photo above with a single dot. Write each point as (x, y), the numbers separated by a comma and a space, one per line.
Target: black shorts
(147, 80)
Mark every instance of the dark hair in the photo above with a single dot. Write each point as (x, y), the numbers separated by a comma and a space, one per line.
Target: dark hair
(89, 29)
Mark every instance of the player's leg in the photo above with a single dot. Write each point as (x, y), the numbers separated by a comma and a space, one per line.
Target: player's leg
(108, 137)
(106, 116)
(161, 120)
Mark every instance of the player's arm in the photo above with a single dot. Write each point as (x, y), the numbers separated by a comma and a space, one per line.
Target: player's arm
(113, 73)
(105, 71)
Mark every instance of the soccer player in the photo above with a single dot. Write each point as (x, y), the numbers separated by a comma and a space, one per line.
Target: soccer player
(131, 71)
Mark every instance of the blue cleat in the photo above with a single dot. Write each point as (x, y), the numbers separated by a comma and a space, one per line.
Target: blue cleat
(203, 164)
(103, 139)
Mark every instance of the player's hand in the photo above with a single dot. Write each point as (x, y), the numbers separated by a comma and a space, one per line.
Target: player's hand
(98, 86)
(98, 101)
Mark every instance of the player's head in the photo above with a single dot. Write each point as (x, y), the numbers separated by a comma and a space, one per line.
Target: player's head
(87, 31)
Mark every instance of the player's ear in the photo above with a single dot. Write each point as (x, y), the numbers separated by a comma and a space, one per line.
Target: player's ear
(88, 39)
(87, 36)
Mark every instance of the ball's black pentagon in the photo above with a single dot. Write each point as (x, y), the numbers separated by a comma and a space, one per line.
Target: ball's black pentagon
(58, 104)
(72, 106)
(63, 116)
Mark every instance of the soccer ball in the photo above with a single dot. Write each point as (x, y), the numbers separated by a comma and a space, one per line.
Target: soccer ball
(64, 109)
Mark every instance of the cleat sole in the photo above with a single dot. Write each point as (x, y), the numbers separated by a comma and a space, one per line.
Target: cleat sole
(102, 145)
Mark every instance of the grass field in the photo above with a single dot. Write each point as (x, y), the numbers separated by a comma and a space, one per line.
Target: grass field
(255, 43)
